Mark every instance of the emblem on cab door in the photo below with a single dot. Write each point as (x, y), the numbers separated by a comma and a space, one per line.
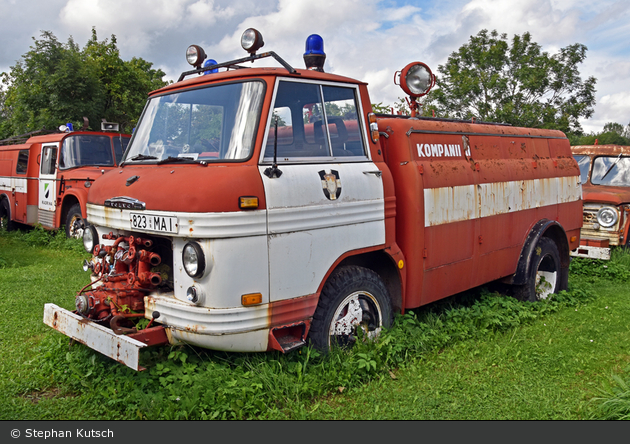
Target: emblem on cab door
(331, 184)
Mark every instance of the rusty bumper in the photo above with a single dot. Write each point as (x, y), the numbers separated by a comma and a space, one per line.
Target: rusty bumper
(122, 348)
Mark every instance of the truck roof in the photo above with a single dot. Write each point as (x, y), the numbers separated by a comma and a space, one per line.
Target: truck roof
(451, 126)
(601, 150)
(248, 73)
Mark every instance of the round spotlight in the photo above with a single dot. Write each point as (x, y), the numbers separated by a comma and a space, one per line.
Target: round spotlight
(416, 79)
(252, 40)
(193, 259)
(195, 55)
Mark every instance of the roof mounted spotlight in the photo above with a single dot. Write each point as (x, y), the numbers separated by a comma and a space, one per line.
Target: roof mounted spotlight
(252, 40)
(195, 55)
(314, 56)
(416, 79)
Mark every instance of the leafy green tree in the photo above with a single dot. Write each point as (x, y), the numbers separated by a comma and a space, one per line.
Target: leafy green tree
(56, 82)
(515, 82)
(612, 134)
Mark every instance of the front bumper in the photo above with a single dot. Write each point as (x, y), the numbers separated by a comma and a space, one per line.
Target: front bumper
(122, 348)
(239, 329)
(593, 248)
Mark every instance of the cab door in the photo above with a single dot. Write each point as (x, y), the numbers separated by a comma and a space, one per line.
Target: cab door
(47, 192)
(327, 199)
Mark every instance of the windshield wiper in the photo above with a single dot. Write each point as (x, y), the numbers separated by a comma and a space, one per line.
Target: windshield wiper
(611, 166)
(139, 157)
(172, 159)
(142, 157)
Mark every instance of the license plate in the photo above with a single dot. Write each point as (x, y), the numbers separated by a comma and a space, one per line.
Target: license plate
(153, 222)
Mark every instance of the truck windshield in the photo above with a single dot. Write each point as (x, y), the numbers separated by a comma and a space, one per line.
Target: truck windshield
(211, 124)
(611, 170)
(86, 150)
(584, 162)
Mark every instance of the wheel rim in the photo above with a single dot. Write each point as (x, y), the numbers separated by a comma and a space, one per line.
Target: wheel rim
(75, 229)
(358, 311)
(546, 278)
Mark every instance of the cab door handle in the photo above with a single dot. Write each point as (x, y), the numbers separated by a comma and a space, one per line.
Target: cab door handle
(377, 173)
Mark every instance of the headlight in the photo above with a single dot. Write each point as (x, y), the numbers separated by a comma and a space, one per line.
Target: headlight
(607, 217)
(193, 259)
(90, 238)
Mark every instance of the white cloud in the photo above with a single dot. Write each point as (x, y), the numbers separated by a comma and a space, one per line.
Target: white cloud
(364, 39)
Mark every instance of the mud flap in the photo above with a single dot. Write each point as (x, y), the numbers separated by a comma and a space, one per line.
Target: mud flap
(122, 348)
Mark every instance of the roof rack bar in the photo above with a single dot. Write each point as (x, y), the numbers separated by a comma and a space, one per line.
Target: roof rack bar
(234, 63)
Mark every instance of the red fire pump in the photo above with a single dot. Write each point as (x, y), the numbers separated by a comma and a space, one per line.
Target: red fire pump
(121, 277)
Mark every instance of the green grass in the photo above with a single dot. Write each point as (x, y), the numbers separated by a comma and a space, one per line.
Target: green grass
(475, 356)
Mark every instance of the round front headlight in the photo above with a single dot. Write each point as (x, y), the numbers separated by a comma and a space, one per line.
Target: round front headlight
(90, 238)
(193, 259)
(607, 217)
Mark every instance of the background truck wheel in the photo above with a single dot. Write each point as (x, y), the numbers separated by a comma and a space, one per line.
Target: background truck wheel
(354, 303)
(5, 216)
(544, 278)
(75, 224)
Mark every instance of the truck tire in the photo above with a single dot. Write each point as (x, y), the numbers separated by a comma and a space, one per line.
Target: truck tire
(354, 302)
(545, 275)
(75, 224)
(5, 216)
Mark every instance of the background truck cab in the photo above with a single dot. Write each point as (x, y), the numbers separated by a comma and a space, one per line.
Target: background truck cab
(605, 176)
(44, 179)
(259, 207)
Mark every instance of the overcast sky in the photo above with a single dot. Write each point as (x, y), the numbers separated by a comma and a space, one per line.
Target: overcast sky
(367, 39)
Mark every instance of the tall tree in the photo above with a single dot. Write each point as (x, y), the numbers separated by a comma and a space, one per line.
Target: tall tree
(515, 82)
(55, 83)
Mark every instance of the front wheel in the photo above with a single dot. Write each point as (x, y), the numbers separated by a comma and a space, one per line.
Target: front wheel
(75, 224)
(5, 216)
(545, 275)
(354, 304)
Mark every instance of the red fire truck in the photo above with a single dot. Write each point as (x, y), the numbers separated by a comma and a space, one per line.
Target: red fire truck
(260, 208)
(605, 182)
(45, 178)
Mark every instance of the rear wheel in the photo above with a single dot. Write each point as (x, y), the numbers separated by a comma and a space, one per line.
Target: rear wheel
(5, 216)
(544, 275)
(354, 304)
(75, 224)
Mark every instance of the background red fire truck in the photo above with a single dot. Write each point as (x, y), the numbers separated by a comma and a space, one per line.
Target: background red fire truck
(45, 178)
(258, 208)
(605, 171)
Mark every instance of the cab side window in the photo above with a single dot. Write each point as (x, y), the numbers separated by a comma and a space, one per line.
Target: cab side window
(49, 160)
(316, 122)
(22, 162)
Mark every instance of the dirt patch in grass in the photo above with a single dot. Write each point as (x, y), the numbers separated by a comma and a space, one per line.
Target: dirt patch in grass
(54, 392)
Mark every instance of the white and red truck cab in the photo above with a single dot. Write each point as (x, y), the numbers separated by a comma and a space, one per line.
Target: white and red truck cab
(258, 208)
(605, 173)
(45, 176)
